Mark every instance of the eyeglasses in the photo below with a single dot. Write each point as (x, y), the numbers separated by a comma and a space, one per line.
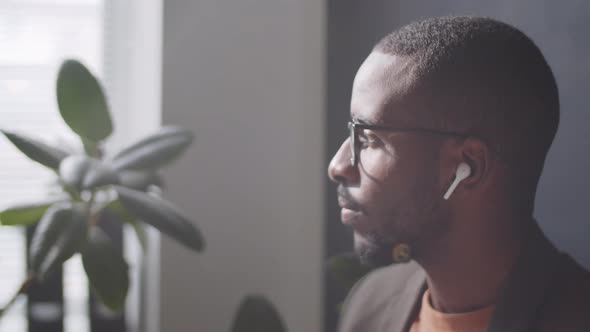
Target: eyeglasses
(355, 146)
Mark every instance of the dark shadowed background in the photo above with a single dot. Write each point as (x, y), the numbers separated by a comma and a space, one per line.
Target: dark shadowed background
(560, 29)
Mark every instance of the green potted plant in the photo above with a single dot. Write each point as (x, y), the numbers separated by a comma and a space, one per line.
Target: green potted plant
(95, 187)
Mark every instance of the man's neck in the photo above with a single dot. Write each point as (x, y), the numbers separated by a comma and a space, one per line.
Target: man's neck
(468, 268)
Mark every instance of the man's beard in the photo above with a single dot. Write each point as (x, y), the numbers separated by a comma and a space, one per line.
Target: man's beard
(376, 249)
(372, 250)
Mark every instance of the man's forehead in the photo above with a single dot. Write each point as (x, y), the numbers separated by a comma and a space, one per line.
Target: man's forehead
(382, 79)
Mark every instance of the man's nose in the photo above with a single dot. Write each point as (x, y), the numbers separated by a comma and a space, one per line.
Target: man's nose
(340, 169)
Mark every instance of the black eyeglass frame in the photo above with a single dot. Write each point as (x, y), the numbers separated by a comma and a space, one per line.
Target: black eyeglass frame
(355, 148)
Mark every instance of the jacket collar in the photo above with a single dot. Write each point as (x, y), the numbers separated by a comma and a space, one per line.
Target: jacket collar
(526, 285)
(404, 309)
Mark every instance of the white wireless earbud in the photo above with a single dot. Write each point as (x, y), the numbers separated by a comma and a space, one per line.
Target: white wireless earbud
(463, 171)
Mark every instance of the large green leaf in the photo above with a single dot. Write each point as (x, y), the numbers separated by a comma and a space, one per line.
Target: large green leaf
(162, 215)
(106, 269)
(38, 151)
(24, 214)
(139, 180)
(257, 314)
(82, 103)
(120, 213)
(154, 151)
(99, 174)
(60, 233)
(73, 169)
(91, 148)
(83, 172)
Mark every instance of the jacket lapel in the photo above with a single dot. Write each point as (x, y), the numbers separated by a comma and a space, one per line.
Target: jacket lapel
(526, 285)
(403, 310)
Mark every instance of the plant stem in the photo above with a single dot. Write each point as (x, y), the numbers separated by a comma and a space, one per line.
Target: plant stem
(92, 217)
(73, 194)
(24, 288)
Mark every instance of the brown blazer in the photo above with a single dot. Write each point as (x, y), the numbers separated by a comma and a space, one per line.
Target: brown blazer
(547, 291)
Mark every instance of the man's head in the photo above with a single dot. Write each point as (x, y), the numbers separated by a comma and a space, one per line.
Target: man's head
(476, 77)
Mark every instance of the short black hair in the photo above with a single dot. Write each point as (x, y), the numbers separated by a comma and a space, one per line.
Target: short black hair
(490, 80)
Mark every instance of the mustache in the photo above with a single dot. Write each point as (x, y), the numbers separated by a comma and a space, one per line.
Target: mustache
(346, 199)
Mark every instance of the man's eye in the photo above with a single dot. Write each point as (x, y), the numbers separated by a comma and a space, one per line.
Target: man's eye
(367, 140)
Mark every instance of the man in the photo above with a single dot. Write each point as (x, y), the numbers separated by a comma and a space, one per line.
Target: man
(451, 120)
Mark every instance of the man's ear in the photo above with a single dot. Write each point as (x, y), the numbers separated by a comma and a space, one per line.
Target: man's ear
(477, 154)
(471, 151)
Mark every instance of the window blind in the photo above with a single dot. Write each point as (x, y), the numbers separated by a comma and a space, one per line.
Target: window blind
(35, 37)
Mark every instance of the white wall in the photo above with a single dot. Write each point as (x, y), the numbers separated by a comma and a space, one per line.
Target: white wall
(248, 77)
(133, 58)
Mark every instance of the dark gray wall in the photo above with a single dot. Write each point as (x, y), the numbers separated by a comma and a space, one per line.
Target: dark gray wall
(560, 29)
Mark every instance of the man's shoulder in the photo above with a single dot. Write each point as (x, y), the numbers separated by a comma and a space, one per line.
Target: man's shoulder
(567, 303)
(368, 301)
(571, 285)
(386, 281)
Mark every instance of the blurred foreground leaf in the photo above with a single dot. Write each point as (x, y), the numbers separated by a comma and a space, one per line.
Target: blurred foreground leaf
(155, 150)
(36, 150)
(162, 215)
(106, 269)
(82, 172)
(24, 214)
(116, 208)
(257, 314)
(140, 180)
(82, 103)
(60, 234)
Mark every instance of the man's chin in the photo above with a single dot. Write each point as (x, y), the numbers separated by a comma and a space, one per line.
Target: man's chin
(372, 252)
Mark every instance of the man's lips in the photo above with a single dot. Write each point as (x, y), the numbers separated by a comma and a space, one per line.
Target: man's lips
(345, 200)
(350, 211)
(355, 220)
(345, 204)
(348, 216)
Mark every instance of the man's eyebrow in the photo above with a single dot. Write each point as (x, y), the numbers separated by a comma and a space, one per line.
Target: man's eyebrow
(356, 119)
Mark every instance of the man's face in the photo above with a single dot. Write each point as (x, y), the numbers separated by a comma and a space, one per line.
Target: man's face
(394, 194)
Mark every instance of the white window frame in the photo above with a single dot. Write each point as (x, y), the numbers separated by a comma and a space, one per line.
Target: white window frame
(133, 78)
